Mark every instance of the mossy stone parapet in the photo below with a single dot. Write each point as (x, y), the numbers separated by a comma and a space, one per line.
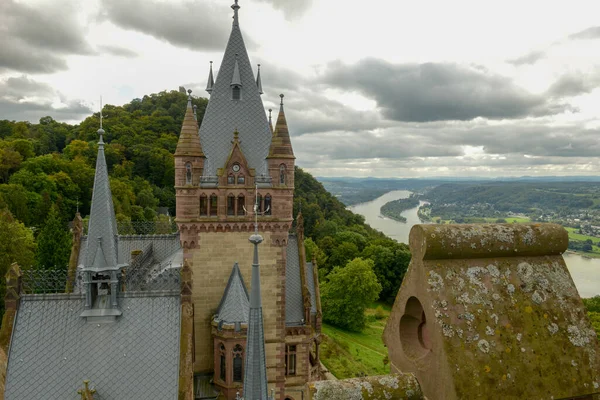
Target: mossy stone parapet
(490, 312)
(438, 242)
(393, 386)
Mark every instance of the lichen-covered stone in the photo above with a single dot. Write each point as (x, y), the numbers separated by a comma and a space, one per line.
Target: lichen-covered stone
(491, 311)
(386, 387)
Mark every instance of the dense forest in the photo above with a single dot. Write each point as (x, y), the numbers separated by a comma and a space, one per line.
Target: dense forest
(47, 174)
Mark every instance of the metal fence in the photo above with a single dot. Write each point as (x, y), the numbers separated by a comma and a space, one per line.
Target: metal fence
(166, 277)
(39, 281)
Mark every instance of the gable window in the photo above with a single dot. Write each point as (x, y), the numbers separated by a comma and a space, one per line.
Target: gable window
(237, 363)
(214, 203)
(223, 363)
(241, 179)
(282, 174)
(203, 205)
(268, 204)
(188, 174)
(241, 203)
(259, 203)
(230, 205)
(236, 93)
(230, 179)
(290, 360)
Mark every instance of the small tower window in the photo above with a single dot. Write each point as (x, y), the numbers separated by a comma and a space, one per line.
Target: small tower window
(223, 363)
(282, 174)
(230, 179)
(188, 174)
(237, 363)
(203, 205)
(241, 203)
(214, 203)
(231, 205)
(290, 360)
(268, 204)
(241, 179)
(259, 203)
(236, 93)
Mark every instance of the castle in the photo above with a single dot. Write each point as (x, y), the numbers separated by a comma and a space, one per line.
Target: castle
(234, 161)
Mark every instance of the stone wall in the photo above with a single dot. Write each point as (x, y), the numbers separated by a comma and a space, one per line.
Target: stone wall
(491, 311)
(394, 386)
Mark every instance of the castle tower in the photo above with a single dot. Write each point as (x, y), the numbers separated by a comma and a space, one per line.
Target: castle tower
(239, 162)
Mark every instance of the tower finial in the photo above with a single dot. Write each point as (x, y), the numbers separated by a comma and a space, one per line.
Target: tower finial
(101, 131)
(211, 80)
(281, 95)
(259, 81)
(235, 7)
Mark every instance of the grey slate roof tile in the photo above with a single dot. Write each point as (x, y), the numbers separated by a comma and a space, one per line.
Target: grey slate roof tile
(224, 115)
(235, 304)
(310, 280)
(53, 350)
(294, 306)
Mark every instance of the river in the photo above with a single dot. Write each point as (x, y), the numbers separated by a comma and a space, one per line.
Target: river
(585, 271)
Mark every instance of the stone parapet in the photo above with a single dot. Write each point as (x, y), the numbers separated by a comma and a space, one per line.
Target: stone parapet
(394, 386)
(490, 311)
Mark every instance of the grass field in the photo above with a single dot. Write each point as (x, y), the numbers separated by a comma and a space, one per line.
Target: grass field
(350, 354)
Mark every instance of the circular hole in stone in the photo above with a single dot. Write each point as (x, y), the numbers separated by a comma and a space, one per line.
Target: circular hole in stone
(414, 335)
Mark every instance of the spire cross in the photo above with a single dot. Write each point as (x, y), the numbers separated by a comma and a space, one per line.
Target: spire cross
(235, 7)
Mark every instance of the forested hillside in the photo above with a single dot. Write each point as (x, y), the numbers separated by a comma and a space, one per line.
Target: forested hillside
(50, 166)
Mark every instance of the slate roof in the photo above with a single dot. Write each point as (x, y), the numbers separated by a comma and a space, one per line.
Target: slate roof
(294, 306)
(310, 280)
(102, 250)
(235, 304)
(224, 115)
(53, 349)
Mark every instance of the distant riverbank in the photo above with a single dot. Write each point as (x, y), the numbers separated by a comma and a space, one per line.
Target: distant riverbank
(584, 270)
(393, 209)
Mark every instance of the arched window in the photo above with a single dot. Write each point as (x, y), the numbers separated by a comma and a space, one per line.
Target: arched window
(223, 363)
(259, 202)
(203, 205)
(241, 203)
(230, 179)
(231, 205)
(282, 174)
(236, 93)
(241, 179)
(238, 361)
(188, 173)
(268, 205)
(214, 205)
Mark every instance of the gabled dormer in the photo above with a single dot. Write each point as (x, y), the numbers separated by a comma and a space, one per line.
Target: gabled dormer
(236, 171)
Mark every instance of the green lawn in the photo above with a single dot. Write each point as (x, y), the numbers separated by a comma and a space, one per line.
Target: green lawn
(349, 354)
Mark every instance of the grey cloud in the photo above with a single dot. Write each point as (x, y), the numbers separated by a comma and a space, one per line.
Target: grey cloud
(575, 83)
(117, 51)
(530, 58)
(433, 92)
(24, 99)
(36, 39)
(291, 8)
(589, 33)
(193, 25)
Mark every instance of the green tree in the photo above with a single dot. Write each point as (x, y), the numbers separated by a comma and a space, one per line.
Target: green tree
(53, 243)
(347, 292)
(16, 245)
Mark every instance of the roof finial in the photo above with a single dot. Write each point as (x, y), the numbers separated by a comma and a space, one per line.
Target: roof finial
(259, 81)
(211, 80)
(281, 95)
(235, 7)
(196, 112)
(101, 131)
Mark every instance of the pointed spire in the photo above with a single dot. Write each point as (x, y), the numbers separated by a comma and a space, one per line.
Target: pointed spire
(255, 373)
(270, 120)
(189, 141)
(281, 145)
(102, 250)
(258, 81)
(211, 81)
(196, 112)
(235, 79)
(235, 304)
(235, 7)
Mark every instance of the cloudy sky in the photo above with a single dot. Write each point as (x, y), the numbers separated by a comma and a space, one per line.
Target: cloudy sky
(373, 88)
